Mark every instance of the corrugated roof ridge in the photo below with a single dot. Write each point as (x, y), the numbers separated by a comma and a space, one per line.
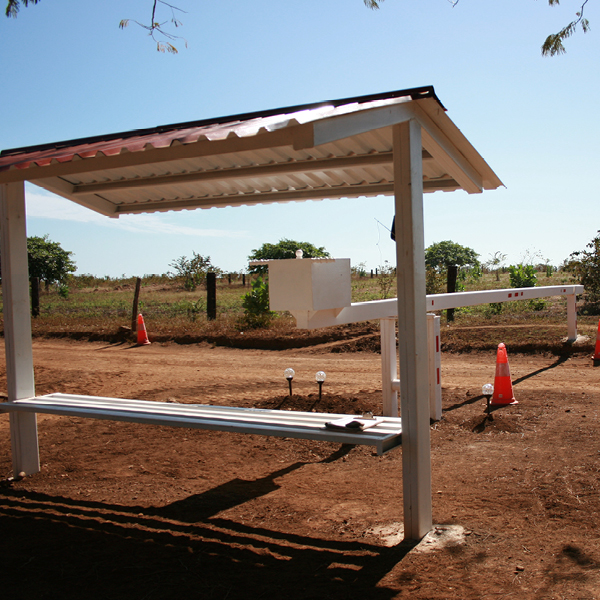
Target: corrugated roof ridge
(414, 93)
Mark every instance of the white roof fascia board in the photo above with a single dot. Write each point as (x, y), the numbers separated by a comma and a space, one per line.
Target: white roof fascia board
(448, 156)
(338, 128)
(458, 140)
(63, 188)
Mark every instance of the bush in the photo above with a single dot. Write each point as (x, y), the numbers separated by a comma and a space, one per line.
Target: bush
(585, 266)
(435, 281)
(386, 280)
(192, 271)
(522, 276)
(256, 306)
(196, 308)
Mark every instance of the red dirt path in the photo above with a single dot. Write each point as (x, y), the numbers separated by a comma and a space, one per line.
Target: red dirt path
(141, 512)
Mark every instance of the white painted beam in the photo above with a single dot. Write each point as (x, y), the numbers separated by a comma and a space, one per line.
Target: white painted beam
(64, 188)
(17, 325)
(253, 171)
(435, 366)
(389, 367)
(448, 156)
(344, 126)
(412, 330)
(384, 309)
(459, 141)
(456, 300)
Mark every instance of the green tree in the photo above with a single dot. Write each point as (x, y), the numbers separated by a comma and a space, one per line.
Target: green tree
(441, 255)
(585, 266)
(284, 249)
(192, 271)
(48, 261)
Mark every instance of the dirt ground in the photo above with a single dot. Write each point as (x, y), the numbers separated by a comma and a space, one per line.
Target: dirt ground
(125, 511)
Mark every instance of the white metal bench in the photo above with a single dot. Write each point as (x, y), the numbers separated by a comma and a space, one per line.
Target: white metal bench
(281, 423)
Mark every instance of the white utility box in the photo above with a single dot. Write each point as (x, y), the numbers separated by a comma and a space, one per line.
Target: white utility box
(309, 283)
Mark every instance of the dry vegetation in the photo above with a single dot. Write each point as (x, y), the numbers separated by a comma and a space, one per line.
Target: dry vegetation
(101, 309)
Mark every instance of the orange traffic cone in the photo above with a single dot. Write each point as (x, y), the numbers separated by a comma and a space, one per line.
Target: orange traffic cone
(503, 392)
(142, 336)
(597, 351)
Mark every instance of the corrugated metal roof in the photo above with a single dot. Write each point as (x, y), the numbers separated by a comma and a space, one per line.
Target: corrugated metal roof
(340, 148)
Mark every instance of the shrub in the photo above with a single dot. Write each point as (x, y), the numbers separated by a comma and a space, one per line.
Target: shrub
(196, 308)
(256, 306)
(192, 271)
(386, 280)
(435, 281)
(522, 276)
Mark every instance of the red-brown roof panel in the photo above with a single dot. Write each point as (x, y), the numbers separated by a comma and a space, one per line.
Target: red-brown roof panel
(184, 133)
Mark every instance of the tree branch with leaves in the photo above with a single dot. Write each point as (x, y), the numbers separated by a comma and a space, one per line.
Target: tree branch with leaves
(554, 42)
(157, 30)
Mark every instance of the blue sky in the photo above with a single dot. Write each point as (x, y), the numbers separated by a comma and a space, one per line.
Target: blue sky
(69, 72)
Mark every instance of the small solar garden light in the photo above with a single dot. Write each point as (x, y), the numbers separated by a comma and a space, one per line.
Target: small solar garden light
(289, 375)
(488, 391)
(320, 377)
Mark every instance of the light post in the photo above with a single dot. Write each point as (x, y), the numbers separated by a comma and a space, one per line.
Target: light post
(320, 377)
(289, 375)
(488, 391)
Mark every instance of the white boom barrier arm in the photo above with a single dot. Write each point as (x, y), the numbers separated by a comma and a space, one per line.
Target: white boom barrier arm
(388, 309)
(386, 312)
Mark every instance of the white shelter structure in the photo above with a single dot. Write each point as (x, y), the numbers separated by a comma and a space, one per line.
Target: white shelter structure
(400, 144)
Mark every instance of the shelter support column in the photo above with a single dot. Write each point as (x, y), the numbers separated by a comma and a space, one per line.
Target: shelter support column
(412, 329)
(17, 326)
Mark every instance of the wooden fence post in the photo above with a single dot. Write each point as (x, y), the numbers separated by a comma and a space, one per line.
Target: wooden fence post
(35, 296)
(211, 296)
(136, 299)
(451, 288)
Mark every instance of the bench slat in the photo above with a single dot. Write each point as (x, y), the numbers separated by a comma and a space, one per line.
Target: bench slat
(281, 423)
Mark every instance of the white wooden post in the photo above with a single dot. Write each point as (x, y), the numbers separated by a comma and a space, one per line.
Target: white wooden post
(572, 318)
(17, 326)
(412, 329)
(435, 367)
(389, 366)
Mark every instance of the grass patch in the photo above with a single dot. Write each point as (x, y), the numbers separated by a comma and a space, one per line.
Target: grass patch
(102, 308)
